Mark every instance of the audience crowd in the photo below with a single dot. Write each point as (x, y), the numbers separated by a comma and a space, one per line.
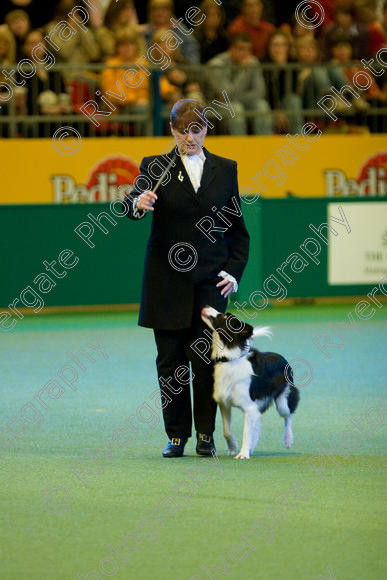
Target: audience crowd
(272, 67)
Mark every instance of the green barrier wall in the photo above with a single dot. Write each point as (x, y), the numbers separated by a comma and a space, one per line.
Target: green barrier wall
(284, 225)
(111, 272)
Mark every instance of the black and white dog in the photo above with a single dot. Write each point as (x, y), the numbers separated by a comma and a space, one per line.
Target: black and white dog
(248, 379)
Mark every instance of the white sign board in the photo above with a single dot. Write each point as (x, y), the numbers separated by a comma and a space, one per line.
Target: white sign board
(359, 257)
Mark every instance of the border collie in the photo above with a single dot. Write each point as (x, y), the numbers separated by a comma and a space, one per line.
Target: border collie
(249, 379)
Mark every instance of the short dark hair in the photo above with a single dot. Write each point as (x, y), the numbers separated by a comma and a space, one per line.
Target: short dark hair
(187, 112)
(239, 37)
(340, 37)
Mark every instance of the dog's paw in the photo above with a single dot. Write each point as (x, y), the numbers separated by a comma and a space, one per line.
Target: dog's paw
(233, 447)
(288, 440)
(242, 456)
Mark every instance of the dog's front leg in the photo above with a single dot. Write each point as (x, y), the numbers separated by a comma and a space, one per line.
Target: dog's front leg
(250, 429)
(226, 418)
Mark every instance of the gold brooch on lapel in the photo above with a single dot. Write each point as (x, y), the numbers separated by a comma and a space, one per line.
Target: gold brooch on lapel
(180, 177)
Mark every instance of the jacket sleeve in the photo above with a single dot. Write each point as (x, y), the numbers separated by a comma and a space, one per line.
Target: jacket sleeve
(237, 235)
(143, 183)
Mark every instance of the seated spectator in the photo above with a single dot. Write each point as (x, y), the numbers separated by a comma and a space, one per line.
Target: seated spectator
(177, 83)
(39, 11)
(210, 34)
(250, 22)
(365, 10)
(7, 58)
(81, 48)
(315, 80)
(160, 14)
(129, 47)
(344, 23)
(7, 46)
(282, 12)
(295, 31)
(378, 32)
(117, 17)
(328, 7)
(46, 93)
(239, 73)
(342, 58)
(281, 84)
(19, 24)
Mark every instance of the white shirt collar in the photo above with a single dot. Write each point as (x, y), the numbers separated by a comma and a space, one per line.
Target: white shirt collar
(192, 157)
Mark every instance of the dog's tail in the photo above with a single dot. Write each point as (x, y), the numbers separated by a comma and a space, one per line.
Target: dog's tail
(262, 331)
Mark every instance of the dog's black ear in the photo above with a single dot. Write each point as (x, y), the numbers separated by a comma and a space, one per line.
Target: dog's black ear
(238, 327)
(234, 323)
(248, 330)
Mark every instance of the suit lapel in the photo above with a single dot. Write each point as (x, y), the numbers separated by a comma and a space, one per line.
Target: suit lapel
(208, 172)
(179, 175)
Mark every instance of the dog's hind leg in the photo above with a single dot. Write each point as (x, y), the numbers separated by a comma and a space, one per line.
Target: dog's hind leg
(288, 433)
(256, 434)
(285, 409)
(226, 418)
(250, 431)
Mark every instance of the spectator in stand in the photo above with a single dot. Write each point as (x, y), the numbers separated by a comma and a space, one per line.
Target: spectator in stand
(280, 12)
(160, 14)
(239, 73)
(177, 83)
(342, 58)
(7, 47)
(19, 24)
(7, 58)
(344, 23)
(295, 32)
(378, 32)
(315, 80)
(281, 84)
(250, 22)
(46, 93)
(373, 96)
(81, 48)
(118, 16)
(39, 11)
(231, 8)
(129, 47)
(328, 7)
(365, 10)
(211, 34)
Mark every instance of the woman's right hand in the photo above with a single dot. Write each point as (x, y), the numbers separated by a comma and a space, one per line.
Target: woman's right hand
(146, 200)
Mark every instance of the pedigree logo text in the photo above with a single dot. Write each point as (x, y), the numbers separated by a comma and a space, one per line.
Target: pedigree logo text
(102, 185)
(370, 182)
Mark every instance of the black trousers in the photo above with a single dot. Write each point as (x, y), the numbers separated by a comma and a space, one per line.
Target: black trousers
(173, 351)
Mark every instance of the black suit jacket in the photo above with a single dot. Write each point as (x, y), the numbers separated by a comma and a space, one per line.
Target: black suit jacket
(170, 282)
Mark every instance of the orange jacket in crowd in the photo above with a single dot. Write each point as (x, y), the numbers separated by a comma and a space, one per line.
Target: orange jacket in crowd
(111, 78)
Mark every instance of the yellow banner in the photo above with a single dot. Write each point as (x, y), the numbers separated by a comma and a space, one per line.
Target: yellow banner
(342, 165)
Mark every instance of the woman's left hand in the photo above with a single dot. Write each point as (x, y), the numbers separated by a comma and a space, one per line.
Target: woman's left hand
(227, 289)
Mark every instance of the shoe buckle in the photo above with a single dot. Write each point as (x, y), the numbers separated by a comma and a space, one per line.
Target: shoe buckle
(175, 441)
(205, 438)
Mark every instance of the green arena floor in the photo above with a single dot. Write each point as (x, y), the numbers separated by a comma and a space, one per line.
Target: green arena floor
(316, 512)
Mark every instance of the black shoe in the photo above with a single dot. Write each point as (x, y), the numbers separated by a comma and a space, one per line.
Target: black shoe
(205, 444)
(175, 447)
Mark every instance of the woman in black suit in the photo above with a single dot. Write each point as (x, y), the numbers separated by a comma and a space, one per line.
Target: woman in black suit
(196, 254)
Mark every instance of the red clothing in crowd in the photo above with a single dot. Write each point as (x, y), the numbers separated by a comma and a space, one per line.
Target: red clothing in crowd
(378, 39)
(328, 6)
(258, 34)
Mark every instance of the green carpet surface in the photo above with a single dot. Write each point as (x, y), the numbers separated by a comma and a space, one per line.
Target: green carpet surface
(68, 491)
